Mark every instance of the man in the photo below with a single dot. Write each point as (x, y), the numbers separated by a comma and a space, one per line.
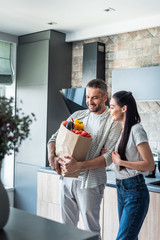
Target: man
(85, 193)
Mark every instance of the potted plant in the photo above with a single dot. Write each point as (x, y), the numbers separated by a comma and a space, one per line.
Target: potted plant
(14, 128)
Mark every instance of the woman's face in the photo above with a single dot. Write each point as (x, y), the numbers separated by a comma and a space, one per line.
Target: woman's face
(118, 113)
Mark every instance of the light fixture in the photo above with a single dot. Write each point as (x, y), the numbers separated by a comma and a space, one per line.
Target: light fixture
(51, 23)
(109, 9)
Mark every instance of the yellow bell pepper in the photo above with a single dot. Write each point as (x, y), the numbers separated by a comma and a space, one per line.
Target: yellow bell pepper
(78, 124)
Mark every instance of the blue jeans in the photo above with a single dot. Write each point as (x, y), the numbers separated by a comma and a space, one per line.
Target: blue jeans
(133, 202)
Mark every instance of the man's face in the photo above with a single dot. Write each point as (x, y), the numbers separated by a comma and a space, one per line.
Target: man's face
(95, 100)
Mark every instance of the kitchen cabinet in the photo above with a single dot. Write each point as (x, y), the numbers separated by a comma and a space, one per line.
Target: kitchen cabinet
(150, 229)
(48, 198)
(48, 206)
(110, 221)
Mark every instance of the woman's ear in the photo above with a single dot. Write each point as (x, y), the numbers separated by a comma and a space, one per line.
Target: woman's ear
(124, 108)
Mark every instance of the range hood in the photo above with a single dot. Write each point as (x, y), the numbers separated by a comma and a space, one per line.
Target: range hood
(93, 67)
(74, 98)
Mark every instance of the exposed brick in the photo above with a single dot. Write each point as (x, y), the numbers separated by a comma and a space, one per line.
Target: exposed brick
(122, 45)
(146, 61)
(153, 31)
(77, 60)
(154, 50)
(125, 37)
(156, 59)
(109, 82)
(109, 90)
(113, 38)
(155, 41)
(135, 35)
(135, 53)
(76, 83)
(144, 43)
(77, 52)
(158, 32)
(77, 75)
(115, 64)
(77, 67)
(111, 56)
(145, 33)
(103, 39)
(122, 54)
(77, 45)
(132, 45)
(128, 50)
(113, 47)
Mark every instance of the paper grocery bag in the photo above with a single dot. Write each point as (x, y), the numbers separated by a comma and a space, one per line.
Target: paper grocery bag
(71, 144)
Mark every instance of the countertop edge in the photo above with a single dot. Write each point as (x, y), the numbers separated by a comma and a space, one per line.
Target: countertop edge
(110, 179)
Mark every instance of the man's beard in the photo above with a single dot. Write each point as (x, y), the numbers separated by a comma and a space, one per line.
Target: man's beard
(98, 108)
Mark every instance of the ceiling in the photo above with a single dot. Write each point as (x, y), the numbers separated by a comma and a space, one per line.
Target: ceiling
(78, 19)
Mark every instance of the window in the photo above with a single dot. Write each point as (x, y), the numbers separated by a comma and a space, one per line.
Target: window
(7, 89)
(5, 63)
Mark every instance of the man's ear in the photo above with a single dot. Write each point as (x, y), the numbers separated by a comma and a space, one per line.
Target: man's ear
(105, 97)
(124, 108)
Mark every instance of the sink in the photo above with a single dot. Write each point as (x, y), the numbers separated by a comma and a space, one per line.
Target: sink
(156, 183)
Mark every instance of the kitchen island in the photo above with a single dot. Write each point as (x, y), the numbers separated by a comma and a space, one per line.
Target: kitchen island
(48, 205)
(25, 226)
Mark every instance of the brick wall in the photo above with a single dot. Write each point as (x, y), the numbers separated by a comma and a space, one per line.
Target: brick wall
(127, 50)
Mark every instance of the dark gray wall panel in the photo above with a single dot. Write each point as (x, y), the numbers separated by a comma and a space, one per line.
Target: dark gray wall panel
(26, 187)
(33, 63)
(43, 69)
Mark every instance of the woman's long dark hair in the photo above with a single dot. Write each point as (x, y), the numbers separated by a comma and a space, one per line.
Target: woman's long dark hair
(132, 117)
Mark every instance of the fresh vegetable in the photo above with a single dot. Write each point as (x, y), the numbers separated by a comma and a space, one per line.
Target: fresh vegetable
(70, 125)
(64, 123)
(78, 124)
(81, 133)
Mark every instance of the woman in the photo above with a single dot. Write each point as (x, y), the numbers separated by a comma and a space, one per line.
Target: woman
(132, 159)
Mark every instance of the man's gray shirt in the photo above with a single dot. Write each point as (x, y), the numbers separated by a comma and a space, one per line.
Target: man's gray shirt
(106, 137)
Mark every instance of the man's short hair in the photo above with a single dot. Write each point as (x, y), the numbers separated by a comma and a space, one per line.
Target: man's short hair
(98, 83)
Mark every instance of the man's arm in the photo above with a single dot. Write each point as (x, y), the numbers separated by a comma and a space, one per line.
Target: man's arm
(102, 161)
(53, 160)
(72, 165)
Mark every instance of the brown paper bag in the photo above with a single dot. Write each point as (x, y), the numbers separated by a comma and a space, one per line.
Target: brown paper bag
(71, 144)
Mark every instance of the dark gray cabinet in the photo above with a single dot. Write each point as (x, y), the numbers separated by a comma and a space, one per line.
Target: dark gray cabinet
(43, 68)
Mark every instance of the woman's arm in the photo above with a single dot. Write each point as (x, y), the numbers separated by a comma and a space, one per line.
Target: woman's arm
(147, 163)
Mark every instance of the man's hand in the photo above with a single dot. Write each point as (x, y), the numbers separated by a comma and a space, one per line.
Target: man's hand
(54, 164)
(52, 158)
(70, 165)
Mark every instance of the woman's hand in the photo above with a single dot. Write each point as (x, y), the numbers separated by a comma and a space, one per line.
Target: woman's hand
(116, 158)
(70, 165)
(103, 150)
